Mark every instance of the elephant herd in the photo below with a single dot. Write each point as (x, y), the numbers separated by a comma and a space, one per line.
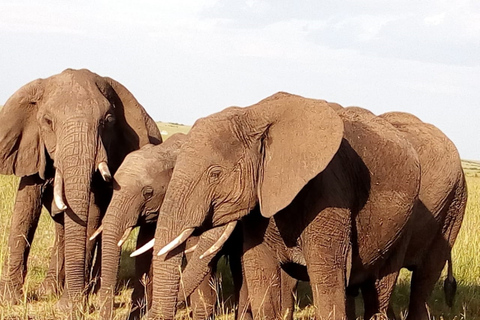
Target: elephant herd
(289, 189)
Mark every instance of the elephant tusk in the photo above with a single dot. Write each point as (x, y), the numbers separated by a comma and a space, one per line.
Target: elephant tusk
(58, 191)
(143, 249)
(125, 236)
(176, 242)
(104, 171)
(221, 240)
(191, 249)
(96, 233)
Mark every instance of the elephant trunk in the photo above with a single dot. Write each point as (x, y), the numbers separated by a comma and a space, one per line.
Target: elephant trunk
(166, 271)
(199, 267)
(177, 217)
(75, 159)
(118, 218)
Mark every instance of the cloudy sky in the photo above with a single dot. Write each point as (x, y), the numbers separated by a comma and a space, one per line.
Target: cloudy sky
(185, 59)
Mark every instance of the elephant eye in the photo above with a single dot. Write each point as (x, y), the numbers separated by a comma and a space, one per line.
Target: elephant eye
(147, 193)
(214, 174)
(48, 121)
(109, 120)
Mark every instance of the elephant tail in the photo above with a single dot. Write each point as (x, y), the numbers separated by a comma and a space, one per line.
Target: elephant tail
(450, 284)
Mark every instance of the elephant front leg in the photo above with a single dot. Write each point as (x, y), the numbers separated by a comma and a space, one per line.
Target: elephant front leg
(263, 275)
(26, 213)
(55, 279)
(326, 245)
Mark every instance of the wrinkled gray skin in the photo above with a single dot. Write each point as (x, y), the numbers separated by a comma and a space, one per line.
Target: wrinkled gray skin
(139, 188)
(438, 214)
(338, 190)
(68, 124)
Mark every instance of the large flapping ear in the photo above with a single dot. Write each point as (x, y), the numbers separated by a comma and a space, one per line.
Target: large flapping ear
(22, 151)
(140, 126)
(300, 139)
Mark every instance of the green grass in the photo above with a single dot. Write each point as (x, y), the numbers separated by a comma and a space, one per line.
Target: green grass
(465, 256)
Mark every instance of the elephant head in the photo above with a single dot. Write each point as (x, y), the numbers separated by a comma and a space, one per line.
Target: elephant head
(233, 160)
(80, 122)
(140, 184)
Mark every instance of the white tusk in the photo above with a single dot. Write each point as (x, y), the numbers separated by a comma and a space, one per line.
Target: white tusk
(104, 171)
(145, 248)
(58, 191)
(97, 232)
(224, 237)
(125, 236)
(176, 242)
(191, 249)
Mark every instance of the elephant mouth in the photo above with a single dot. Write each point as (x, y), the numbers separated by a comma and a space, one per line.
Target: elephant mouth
(184, 235)
(122, 240)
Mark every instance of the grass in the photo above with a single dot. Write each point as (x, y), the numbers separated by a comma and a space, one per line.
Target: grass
(465, 256)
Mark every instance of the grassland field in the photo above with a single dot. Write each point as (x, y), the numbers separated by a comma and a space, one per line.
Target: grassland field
(465, 258)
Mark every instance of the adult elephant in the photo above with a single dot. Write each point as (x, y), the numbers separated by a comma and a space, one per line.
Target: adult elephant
(56, 134)
(438, 214)
(140, 184)
(338, 189)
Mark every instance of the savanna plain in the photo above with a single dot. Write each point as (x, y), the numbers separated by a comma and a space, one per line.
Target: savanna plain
(466, 260)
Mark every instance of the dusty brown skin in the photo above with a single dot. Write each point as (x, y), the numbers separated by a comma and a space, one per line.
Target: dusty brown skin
(437, 216)
(324, 180)
(66, 124)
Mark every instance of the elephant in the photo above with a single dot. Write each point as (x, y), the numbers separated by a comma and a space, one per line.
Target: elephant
(140, 184)
(64, 135)
(334, 193)
(437, 216)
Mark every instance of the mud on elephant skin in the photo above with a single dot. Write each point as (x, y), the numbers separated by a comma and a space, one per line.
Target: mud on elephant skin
(323, 179)
(62, 135)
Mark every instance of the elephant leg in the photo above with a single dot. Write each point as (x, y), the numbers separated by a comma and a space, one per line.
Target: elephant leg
(326, 247)
(55, 279)
(288, 286)
(26, 213)
(202, 300)
(263, 275)
(424, 278)
(243, 310)
(376, 296)
(92, 258)
(141, 295)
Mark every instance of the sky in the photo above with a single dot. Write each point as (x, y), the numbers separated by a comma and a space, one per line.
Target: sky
(186, 59)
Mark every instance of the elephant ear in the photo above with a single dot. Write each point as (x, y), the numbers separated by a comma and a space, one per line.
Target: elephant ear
(301, 137)
(140, 127)
(22, 151)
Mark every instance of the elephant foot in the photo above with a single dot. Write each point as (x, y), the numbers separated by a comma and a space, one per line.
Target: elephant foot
(76, 308)
(10, 293)
(49, 287)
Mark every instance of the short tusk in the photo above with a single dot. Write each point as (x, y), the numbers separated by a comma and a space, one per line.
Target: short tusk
(104, 171)
(191, 249)
(125, 236)
(143, 249)
(176, 242)
(224, 237)
(97, 232)
(58, 191)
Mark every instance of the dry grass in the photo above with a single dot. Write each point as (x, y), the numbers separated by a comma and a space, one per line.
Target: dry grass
(465, 256)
